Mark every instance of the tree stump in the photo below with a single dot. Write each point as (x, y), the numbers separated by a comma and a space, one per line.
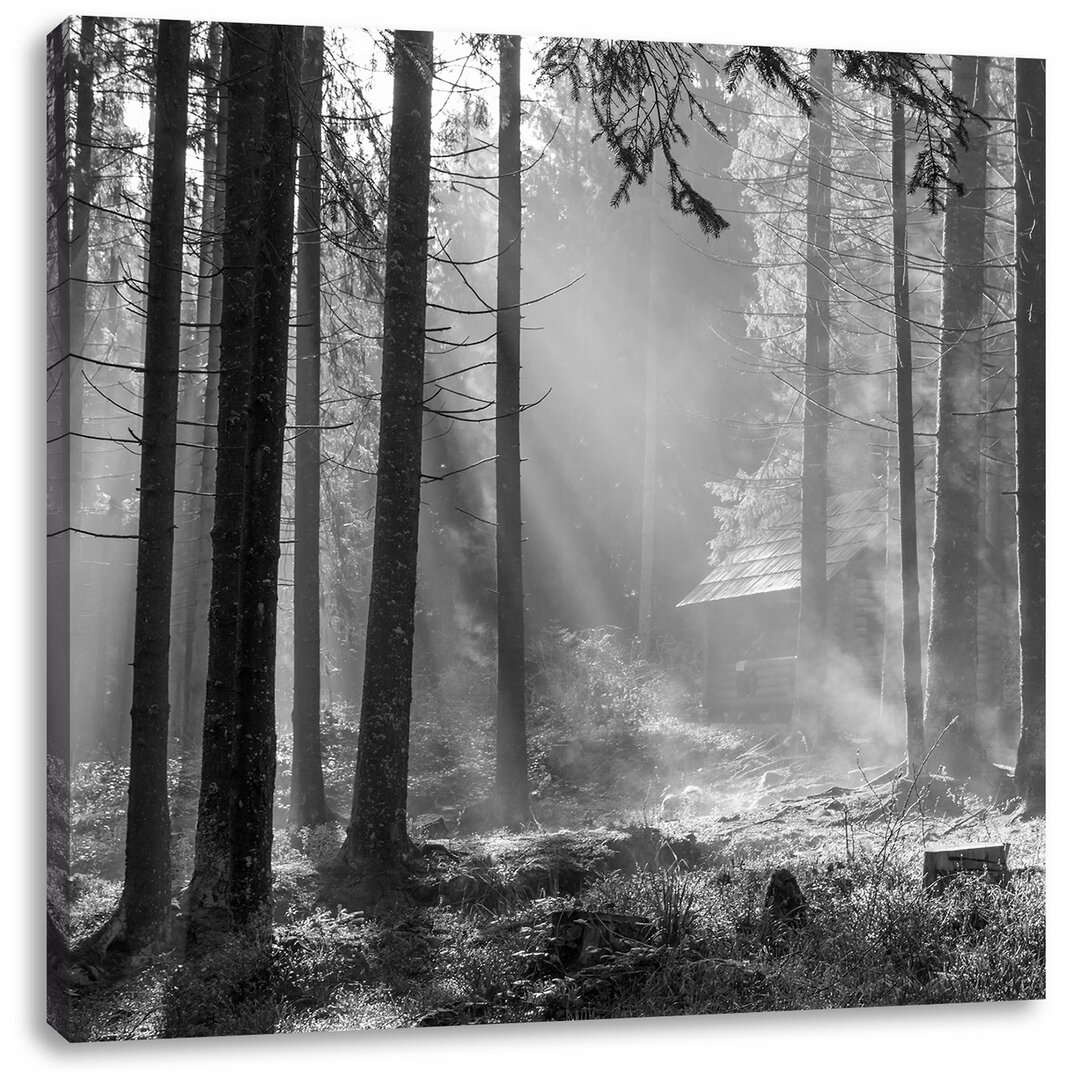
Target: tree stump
(784, 909)
(941, 863)
(580, 938)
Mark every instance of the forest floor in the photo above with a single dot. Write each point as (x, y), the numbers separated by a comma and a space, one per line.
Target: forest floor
(639, 891)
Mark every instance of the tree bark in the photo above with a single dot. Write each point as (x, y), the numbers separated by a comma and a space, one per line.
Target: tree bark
(377, 842)
(193, 694)
(1031, 425)
(144, 904)
(250, 900)
(911, 634)
(208, 894)
(811, 679)
(308, 803)
(230, 890)
(511, 759)
(951, 693)
(187, 569)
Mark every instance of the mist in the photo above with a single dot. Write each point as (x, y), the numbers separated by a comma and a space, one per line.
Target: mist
(767, 361)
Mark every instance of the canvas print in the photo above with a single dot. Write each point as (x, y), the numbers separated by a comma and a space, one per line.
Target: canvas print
(538, 528)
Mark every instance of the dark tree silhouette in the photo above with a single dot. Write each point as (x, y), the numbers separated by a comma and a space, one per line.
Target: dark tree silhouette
(189, 652)
(197, 654)
(377, 843)
(953, 649)
(911, 634)
(308, 805)
(58, 552)
(1031, 425)
(256, 733)
(231, 887)
(812, 669)
(82, 200)
(511, 762)
(142, 920)
(650, 342)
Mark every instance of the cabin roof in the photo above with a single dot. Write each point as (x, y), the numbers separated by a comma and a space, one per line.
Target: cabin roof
(768, 560)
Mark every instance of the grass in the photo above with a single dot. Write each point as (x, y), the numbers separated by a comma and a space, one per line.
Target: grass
(483, 953)
(485, 948)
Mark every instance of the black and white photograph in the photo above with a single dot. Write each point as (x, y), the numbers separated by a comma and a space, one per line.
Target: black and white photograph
(539, 528)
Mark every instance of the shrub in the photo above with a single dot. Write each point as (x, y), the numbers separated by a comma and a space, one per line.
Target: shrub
(316, 956)
(227, 991)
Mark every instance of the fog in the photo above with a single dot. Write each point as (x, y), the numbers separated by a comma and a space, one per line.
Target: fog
(545, 529)
(607, 290)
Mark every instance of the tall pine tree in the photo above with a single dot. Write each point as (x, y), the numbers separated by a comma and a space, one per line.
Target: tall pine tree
(1031, 425)
(377, 843)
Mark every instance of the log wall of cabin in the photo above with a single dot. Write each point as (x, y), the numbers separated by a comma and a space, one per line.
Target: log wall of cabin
(764, 627)
(750, 628)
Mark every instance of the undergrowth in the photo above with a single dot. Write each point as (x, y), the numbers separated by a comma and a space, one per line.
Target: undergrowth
(483, 947)
(873, 935)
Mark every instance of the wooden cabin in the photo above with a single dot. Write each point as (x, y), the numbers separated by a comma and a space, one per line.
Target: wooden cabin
(751, 606)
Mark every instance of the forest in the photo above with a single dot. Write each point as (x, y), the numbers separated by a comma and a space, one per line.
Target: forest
(538, 528)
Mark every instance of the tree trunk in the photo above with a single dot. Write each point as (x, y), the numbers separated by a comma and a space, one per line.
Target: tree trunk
(256, 733)
(652, 411)
(186, 568)
(377, 842)
(143, 916)
(86, 593)
(911, 634)
(891, 701)
(350, 650)
(511, 760)
(193, 694)
(308, 805)
(58, 522)
(811, 680)
(83, 192)
(951, 695)
(208, 893)
(1031, 425)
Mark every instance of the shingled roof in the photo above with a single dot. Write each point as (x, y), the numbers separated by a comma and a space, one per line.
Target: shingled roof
(768, 560)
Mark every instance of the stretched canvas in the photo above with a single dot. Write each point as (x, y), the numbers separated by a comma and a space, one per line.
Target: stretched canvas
(539, 528)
